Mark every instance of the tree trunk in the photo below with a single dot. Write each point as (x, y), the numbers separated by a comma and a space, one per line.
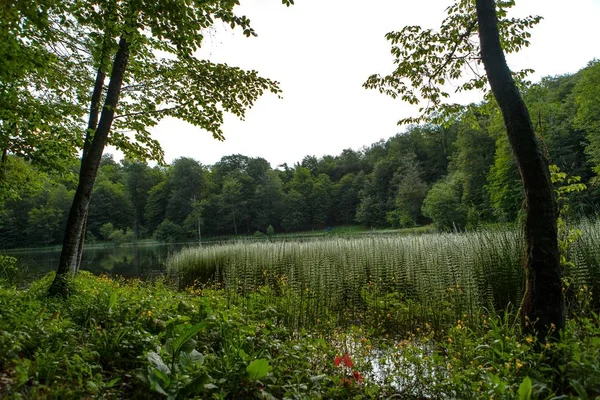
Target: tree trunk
(135, 227)
(80, 244)
(87, 174)
(542, 309)
(92, 125)
(199, 233)
(234, 224)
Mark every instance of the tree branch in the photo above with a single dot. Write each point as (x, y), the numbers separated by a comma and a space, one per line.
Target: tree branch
(133, 114)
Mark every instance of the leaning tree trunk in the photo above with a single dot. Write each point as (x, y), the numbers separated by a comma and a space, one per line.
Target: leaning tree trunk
(87, 175)
(92, 126)
(543, 306)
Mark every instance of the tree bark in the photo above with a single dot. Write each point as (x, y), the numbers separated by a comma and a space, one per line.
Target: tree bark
(234, 224)
(87, 175)
(199, 232)
(89, 134)
(542, 309)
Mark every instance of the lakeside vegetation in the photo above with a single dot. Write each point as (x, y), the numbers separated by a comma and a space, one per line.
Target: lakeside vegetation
(428, 316)
(396, 282)
(134, 339)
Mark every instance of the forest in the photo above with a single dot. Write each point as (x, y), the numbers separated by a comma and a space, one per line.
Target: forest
(457, 175)
(458, 259)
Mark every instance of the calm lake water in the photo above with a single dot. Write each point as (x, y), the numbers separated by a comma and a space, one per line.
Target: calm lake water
(144, 260)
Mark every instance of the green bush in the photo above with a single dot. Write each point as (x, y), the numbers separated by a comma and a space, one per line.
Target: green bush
(400, 219)
(168, 231)
(107, 230)
(443, 205)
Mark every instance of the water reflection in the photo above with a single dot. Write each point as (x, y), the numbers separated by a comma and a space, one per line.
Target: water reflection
(129, 261)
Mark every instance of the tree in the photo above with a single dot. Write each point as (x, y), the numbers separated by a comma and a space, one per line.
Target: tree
(345, 197)
(473, 158)
(376, 195)
(298, 208)
(232, 200)
(543, 303)
(195, 219)
(504, 185)
(140, 178)
(186, 182)
(425, 61)
(295, 215)
(410, 194)
(443, 204)
(110, 203)
(588, 110)
(40, 105)
(268, 200)
(156, 206)
(153, 74)
(321, 200)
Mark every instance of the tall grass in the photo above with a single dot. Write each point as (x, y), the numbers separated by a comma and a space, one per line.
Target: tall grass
(398, 282)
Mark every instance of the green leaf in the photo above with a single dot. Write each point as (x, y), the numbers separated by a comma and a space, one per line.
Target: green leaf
(195, 385)
(525, 389)
(243, 355)
(157, 388)
(112, 301)
(192, 359)
(186, 335)
(258, 369)
(579, 389)
(158, 363)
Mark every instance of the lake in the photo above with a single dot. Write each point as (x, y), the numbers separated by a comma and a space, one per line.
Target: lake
(143, 260)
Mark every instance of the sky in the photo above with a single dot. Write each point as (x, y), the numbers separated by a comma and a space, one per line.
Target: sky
(321, 52)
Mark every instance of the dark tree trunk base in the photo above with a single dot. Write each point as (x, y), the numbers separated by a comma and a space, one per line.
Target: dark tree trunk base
(62, 286)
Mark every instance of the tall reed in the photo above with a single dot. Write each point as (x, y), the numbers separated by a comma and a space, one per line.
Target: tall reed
(398, 282)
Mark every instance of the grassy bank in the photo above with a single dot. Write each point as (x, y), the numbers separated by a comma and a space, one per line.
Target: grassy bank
(133, 339)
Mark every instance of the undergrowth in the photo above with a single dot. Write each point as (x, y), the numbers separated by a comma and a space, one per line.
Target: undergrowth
(131, 339)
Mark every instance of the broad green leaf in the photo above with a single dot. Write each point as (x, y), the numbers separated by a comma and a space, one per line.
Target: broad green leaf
(258, 369)
(186, 335)
(525, 389)
(192, 359)
(156, 361)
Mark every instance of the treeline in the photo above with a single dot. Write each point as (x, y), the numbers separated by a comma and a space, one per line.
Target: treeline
(456, 174)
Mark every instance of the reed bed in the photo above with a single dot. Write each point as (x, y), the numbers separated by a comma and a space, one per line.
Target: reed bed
(394, 282)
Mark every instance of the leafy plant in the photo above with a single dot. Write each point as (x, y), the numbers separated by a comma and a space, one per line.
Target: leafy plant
(9, 272)
(176, 369)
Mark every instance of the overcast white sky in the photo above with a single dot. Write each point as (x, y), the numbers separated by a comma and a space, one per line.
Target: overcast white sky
(321, 51)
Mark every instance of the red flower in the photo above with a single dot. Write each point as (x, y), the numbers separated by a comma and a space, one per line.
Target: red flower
(345, 360)
(357, 376)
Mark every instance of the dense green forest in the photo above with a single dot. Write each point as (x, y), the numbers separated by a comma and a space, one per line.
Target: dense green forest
(458, 175)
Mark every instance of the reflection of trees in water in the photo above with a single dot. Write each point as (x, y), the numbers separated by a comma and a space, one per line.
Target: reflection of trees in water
(128, 261)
